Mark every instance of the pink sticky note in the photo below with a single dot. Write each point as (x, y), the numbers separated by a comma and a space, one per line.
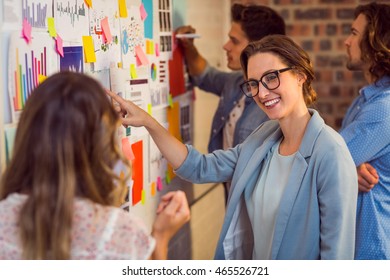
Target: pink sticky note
(141, 55)
(143, 12)
(159, 184)
(26, 32)
(106, 30)
(126, 149)
(157, 48)
(59, 45)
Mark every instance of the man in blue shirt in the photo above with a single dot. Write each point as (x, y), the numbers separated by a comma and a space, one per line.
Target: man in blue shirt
(236, 116)
(366, 128)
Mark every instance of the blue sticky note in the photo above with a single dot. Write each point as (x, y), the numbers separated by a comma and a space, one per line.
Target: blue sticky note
(148, 22)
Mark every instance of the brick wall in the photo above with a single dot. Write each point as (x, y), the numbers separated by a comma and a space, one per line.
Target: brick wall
(320, 27)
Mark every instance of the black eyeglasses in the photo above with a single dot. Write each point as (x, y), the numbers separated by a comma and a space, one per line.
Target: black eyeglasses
(269, 80)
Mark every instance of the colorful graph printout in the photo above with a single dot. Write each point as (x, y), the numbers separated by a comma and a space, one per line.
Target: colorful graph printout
(27, 62)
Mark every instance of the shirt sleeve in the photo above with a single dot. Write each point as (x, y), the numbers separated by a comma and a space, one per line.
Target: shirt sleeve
(369, 133)
(216, 81)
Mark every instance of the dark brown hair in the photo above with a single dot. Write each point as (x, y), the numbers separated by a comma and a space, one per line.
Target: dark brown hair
(258, 21)
(375, 43)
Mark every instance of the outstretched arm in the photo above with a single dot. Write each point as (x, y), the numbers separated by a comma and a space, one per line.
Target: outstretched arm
(172, 149)
(195, 61)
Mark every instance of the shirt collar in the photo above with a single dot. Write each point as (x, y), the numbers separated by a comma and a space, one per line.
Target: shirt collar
(373, 89)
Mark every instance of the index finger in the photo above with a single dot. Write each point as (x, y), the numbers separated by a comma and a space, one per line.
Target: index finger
(116, 97)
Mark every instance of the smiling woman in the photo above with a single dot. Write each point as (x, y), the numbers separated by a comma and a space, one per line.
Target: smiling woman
(293, 181)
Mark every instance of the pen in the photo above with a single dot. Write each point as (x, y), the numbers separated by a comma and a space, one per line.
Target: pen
(188, 35)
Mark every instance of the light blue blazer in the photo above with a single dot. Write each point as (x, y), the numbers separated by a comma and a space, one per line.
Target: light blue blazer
(316, 218)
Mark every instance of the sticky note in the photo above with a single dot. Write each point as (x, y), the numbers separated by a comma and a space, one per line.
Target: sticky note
(41, 78)
(89, 50)
(51, 27)
(133, 71)
(153, 189)
(106, 30)
(168, 177)
(89, 3)
(143, 197)
(157, 49)
(59, 46)
(142, 11)
(141, 55)
(126, 149)
(148, 47)
(159, 184)
(26, 31)
(150, 109)
(170, 100)
(138, 173)
(122, 8)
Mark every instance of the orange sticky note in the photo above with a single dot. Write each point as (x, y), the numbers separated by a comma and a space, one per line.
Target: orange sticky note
(89, 50)
(59, 45)
(106, 30)
(51, 27)
(122, 8)
(153, 189)
(126, 149)
(26, 31)
(142, 11)
(141, 55)
(89, 3)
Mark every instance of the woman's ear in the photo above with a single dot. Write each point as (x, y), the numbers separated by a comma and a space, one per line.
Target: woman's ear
(301, 78)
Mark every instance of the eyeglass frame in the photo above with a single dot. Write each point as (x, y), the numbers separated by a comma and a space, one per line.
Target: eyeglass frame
(276, 72)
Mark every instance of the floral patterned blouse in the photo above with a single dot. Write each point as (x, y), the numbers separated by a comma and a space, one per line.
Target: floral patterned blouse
(99, 232)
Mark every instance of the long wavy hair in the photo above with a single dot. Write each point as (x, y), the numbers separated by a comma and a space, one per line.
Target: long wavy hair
(288, 52)
(375, 43)
(65, 147)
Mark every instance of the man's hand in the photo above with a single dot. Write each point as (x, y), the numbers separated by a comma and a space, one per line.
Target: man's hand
(367, 177)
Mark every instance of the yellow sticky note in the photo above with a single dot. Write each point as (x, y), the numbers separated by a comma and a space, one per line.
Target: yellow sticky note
(41, 78)
(147, 47)
(170, 100)
(133, 71)
(150, 109)
(153, 189)
(143, 197)
(122, 8)
(89, 3)
(151, 47)
(89, 50)
(51, 27)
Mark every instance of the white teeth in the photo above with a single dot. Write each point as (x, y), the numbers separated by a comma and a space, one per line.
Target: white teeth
(271, 102)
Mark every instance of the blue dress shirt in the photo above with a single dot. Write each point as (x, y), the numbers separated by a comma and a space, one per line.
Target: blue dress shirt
(366, 130)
